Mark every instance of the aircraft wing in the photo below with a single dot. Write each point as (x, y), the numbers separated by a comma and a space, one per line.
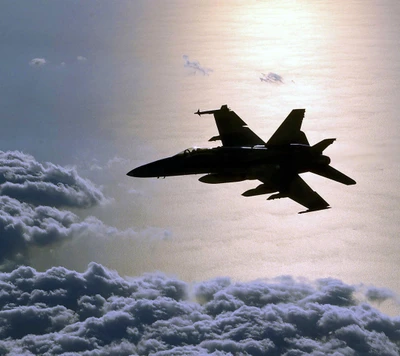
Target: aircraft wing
(233, 131)
(298, 190)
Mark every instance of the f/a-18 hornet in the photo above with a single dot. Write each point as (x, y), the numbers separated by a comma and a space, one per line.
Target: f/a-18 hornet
(243, 155)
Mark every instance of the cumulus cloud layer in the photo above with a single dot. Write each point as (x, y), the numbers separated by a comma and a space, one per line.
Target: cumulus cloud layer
(25, 179)
(97, 312)
(23, 226)
(31, 195)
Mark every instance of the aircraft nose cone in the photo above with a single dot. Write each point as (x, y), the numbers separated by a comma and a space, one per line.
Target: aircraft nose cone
(158, 168)
(139, 172)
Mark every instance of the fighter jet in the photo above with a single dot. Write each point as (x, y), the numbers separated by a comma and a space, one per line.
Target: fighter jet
(243, 155)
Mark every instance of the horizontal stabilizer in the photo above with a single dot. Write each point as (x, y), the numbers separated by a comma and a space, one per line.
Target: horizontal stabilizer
(332, 173)
(321, 146)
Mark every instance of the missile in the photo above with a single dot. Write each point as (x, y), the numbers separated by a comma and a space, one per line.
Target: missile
(198, 112)
(223, 107)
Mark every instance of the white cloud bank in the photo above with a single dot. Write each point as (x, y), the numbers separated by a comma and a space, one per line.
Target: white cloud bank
(97, 312)
(33, 198)
(25, 179)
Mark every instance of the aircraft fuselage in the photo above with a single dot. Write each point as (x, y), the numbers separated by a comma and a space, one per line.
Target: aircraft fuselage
(230, 164)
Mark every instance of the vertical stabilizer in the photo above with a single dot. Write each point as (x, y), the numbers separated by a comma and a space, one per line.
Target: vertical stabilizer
(289, 131)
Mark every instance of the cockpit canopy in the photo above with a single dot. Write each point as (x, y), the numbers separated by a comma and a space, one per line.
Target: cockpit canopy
(191, 150)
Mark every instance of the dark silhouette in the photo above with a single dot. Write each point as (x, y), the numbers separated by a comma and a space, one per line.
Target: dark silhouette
(243, 155)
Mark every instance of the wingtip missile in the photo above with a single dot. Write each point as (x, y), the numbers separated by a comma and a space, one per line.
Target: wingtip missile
(223, 107)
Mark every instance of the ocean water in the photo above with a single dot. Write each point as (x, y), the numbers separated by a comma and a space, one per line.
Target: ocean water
(134, 103)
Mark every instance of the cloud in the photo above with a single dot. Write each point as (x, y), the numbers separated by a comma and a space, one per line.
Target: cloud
(375, 294)
(98, 313)
(25, 179)
(37, 62)
(116, 161)
(41, 62)
(23, 226)
(195, 65)
(32, 195)
(271, 78)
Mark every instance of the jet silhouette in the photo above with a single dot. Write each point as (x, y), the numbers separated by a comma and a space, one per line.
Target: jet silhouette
(243, 155)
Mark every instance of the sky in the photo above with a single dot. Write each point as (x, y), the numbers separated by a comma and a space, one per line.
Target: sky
(103, 263)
